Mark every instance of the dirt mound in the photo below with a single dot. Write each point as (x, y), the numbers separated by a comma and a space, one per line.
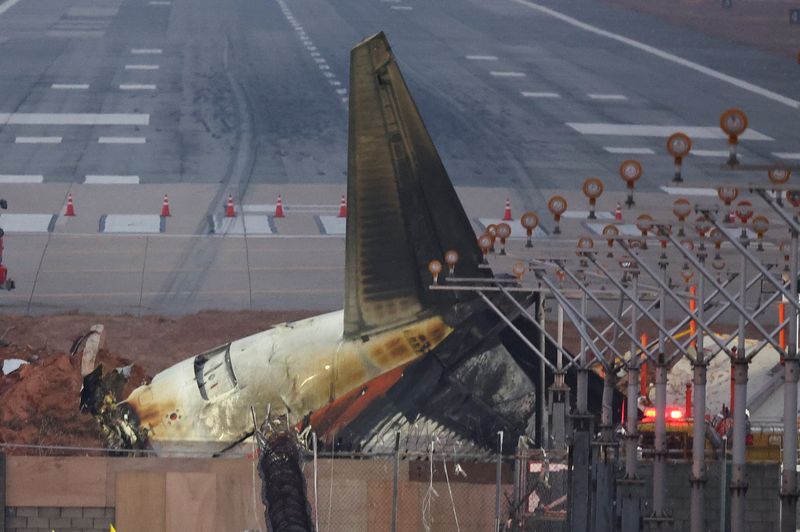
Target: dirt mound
(39, 402)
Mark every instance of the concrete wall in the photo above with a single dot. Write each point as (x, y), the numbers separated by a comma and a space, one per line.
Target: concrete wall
(83, 494)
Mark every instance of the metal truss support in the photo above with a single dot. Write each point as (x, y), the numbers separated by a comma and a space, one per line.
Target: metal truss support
(697, 477)
(739, 467)
(789, 492)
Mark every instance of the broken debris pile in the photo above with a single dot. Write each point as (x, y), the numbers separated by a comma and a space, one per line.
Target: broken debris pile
(40, 395)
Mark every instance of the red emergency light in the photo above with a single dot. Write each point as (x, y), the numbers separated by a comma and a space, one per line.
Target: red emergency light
(674, 413)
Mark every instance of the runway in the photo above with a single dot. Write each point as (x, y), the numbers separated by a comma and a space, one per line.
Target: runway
(120, 102)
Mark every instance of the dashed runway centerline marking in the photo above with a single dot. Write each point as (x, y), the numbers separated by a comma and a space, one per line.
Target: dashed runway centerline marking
(142, 67)
(402, 8)
(121, 140)
(37, 140)
(688, 191)
(482, 57)
(710, 153)
(146, 51)
(529, 94)
(69, 86)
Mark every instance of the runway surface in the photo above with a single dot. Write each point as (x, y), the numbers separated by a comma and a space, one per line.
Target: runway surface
(119, 102)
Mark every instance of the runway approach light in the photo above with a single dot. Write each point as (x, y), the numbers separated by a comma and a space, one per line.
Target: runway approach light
(630, 171)
(681, 208)
(678, 145)
(435, 267)
(610, 231)
(491, 230)
(778, 175)
(793, 197)
(503, 232)
(744, 211)
(717, 238)
(518, 270)
(663, 232)
(451, 259)
(760, 225)
(644, 223)
(557, 205)
(585, 245)
(727, 194)
(529, 220)
(485, 243)
(733, 123)
(593, 189)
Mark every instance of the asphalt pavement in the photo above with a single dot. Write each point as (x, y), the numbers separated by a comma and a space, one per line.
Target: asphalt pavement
(119, 102)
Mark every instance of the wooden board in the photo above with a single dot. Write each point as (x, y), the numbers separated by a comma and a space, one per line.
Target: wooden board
(191, 502)
(141, 498)
(238, 491)
(55, 481)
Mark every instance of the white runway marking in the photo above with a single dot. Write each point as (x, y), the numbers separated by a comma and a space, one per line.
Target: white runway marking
(121, 140)
(142, 67)
(27, 223)
(647, 130)
(403, 8)
(159, 3)
(607, 96)
(111, 180)
(8, 4)
(38, 140)
(745, 85)
(577, 215)
(482, 57)
(146, 51)
(332, 225)
(503, 74)
(786, 155)
(688, 191)
(12, 178)
(632, 151)
(709, 153)
(540, 94)
(69, 86)
(624, 229)
(75, 119)
(249, 224)
(137, 87)
(132, 223)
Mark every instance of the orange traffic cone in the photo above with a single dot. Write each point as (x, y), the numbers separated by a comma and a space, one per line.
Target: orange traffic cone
(618, 213)
(279, 208)
(343, 208)
(229, 210)
(165, 207)
(507, 212)
(70, 206)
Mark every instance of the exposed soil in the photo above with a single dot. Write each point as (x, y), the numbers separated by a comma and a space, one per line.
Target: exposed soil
(39, 403)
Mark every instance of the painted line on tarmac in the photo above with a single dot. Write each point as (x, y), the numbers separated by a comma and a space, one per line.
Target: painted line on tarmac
(787, 155)
(688, 191)
(75, 119)
(697, 67)
(528, 94)
(121, 140)
(142, 67)
(504, 74)
(39, 295)
(482, 57)
(710, 153)
(37, 140)
(146, 51)
(69, 86)
(137, 87)
(8, 4)
(401, 8)
(619, 97)
(631, 151)
(7, 179)
(652, 130)
(111, 180)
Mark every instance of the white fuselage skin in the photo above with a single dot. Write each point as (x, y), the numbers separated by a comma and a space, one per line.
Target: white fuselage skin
(295, 368)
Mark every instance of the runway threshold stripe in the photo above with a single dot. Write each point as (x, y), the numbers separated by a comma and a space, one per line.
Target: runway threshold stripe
(607, 96)
(7, 179)
(709, 153)
(121, 140)
(689, 191)
(652, 130)
(631, 151)
(75, 119)
(697, 67)
(111, 180)
(37, 140)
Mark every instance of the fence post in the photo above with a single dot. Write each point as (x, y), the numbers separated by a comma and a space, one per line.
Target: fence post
(497, 476)
(395, 475)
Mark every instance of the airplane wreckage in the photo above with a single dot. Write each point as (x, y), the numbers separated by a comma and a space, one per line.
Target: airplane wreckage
(398, 350)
